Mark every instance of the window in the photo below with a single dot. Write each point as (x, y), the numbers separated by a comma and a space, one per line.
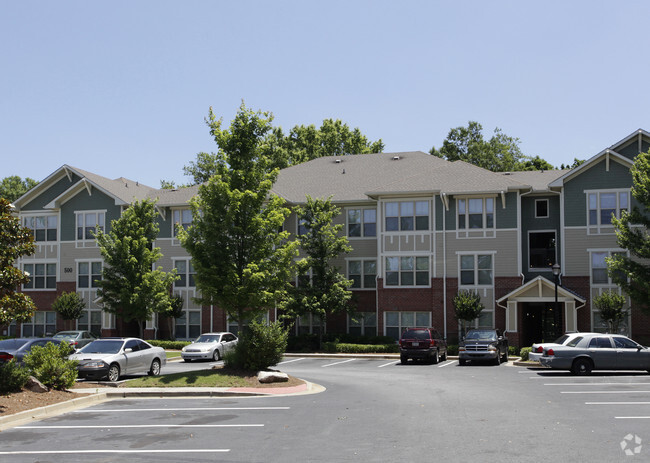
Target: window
(91, 320)
(182, 218)
(188, 325)
(541, 208)
(604, 204)
(233, 326)
(363, 324)
(309, 324)
(87, 222)
(396, 322)
(88, 274)
(185, 270)
(363, 273)
(362, 222)
(475, 213)
(600, 343)
(41, 276)
(42, 323)
(541, 250)
(476, 270)
(407, 216)
(407, 271)
(302, 229)
(599, 275)
(44, 227)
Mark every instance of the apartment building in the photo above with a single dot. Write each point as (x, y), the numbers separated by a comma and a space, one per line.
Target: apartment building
(421, 229)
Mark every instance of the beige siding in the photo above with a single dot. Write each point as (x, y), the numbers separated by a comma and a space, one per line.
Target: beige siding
(505, 259)
(70, 254)
(577, 242)
(408, 242)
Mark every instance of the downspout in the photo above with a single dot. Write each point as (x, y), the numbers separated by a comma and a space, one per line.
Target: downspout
(444, 264)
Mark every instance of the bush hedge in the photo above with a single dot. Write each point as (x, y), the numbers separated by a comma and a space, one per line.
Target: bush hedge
(259, 348)
(50, 365)
(12, 377)
(347, 348)
(170, 345)
(309, 342)
(524, 353)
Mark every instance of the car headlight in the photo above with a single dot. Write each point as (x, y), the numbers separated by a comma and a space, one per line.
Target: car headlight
(461, 348)
(492, 348)
(183, 349)
(95, 364)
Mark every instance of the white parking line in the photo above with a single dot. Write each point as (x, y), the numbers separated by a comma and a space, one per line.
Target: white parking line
(596, 384)
(289, 361)
(632, 417)
(177, 409)
(617, 403)
(386, 364)
(338, 363)
(63, 452)
(146, 426)
(604, 392)
(449, 362)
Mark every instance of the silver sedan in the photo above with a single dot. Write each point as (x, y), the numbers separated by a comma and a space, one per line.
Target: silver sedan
(594, 351)
(209, 346)
(115, 357)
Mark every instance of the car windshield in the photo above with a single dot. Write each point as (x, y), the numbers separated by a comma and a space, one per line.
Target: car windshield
(207, 338)
(416, 334)
(481, 336)
(103, 346)
(65, 335)
(12, 343)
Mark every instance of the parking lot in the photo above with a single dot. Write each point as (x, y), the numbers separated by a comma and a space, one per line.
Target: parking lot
(371, 410)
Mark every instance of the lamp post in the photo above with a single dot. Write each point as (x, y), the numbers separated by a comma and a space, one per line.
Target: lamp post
(556, 316)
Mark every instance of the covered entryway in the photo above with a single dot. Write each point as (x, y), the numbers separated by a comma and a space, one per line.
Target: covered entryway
(531, 314)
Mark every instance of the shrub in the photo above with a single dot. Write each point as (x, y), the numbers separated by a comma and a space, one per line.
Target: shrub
(12, 377)
(513, 350)
(524, 353)
(260, 347)
(452, 349)
(49, 364)
(171, 345)
(346, 348)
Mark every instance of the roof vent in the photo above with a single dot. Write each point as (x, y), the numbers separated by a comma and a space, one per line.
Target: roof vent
(396, 157)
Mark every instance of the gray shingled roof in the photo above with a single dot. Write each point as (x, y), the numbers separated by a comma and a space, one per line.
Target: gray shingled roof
(538, 179)
(122, 188)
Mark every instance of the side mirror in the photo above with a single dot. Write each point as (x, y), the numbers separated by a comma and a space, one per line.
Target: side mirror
(128, 350)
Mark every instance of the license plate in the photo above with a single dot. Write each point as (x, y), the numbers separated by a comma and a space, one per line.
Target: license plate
(415, 344)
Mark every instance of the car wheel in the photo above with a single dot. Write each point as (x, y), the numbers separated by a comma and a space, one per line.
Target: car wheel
(114, 372)
(155, 368)
(216, 356)
(497, 361)
(505, 357)
(436, 357)
(403, 359)
(581, 367)
(462, 362)
(444, 357)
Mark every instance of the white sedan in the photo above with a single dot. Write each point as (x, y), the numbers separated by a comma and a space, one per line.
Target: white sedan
(209, 346)
(538, 349)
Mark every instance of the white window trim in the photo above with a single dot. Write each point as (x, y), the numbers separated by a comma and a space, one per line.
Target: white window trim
(405, 200)
(541, 269)
(187, 261)
(362, 323)
(610, 284)
(175, 240)
(547, 209)
(470, 233)
(44, 262)
(402, 327)
(362, 260)
(414, 256)
(606, 228)
(89, 262)
(86, 241)
(362, 223)
(43, 214)
(475, 254)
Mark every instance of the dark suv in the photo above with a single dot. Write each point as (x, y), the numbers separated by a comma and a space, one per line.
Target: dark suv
(422, 343)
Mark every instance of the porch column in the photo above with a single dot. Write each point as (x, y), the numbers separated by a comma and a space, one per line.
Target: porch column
(511, 316)
(570, 316)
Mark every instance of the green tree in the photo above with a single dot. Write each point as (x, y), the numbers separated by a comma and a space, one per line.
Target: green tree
(633, 273)
(501, 153)
(69, 305)
(467, 307)
(130, 286)
(243, 264)
(15, 241)
(576, 162)
(327, 291)
(175, 311)
(301, 144)
(610, 308)
(13, 187)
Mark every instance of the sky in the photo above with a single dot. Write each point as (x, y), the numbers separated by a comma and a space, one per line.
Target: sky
(122, 88)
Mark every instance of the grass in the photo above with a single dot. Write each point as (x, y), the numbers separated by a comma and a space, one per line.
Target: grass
(172, 353)
(201, 378)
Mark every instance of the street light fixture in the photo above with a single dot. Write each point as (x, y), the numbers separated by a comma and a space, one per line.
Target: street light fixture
(556, 316)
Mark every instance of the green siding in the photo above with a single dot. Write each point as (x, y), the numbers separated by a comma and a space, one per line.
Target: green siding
(440, 210)
(594, 178)
(165, 225)
(38, 203)
(82, 201)
(531, 223)
(506, 218)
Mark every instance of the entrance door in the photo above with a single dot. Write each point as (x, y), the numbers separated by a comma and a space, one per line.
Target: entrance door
(539, 322)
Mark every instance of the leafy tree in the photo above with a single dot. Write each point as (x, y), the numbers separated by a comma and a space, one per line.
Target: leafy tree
(501, 153)
(301, 144)
(15, 241)
(243, 264)
(633, 273)
(261, 346)
(610, 308)
(467, 307)
(69, 305)
(327, 291)
(175, 311)
(576, 162)
(13, 187)
(131, 287)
